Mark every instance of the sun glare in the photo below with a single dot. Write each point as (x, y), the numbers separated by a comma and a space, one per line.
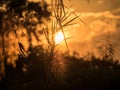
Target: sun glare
(59, 37)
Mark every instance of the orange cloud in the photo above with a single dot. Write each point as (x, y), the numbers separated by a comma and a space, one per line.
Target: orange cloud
(106, 14)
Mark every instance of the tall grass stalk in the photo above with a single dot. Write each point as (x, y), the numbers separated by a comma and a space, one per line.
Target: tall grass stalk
(61, 18)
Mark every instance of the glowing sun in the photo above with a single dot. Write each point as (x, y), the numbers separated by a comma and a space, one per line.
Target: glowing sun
(59, 37)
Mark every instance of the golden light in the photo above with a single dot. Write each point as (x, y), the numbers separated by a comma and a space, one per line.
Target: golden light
(59, 37)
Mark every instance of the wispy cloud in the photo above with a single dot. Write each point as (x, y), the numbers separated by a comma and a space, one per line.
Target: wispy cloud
(106, 14)
(100, 1)
(104, 25)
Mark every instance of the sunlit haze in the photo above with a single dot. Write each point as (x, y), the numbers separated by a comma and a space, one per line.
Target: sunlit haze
(102, 22)
(59, 37)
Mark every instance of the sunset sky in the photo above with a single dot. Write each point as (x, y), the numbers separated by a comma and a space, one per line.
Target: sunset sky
(103, 24)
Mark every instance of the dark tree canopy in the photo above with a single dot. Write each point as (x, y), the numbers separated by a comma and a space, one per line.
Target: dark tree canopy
(16, 15)
(22, 12)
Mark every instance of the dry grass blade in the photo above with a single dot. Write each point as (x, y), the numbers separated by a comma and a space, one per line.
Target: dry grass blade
(62, 6)
(61, 17)
(65, 17)
(78, 18)
(47, 36)
(68, 22)
(63, 26)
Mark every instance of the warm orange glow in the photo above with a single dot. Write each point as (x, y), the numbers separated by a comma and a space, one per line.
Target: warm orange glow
(59, 37)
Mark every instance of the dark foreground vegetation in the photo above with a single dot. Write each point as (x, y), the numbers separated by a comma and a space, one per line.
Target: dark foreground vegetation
(30, 73)
(39, 68)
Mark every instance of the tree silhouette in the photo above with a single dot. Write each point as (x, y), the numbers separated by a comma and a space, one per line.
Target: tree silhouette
(20, 18)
